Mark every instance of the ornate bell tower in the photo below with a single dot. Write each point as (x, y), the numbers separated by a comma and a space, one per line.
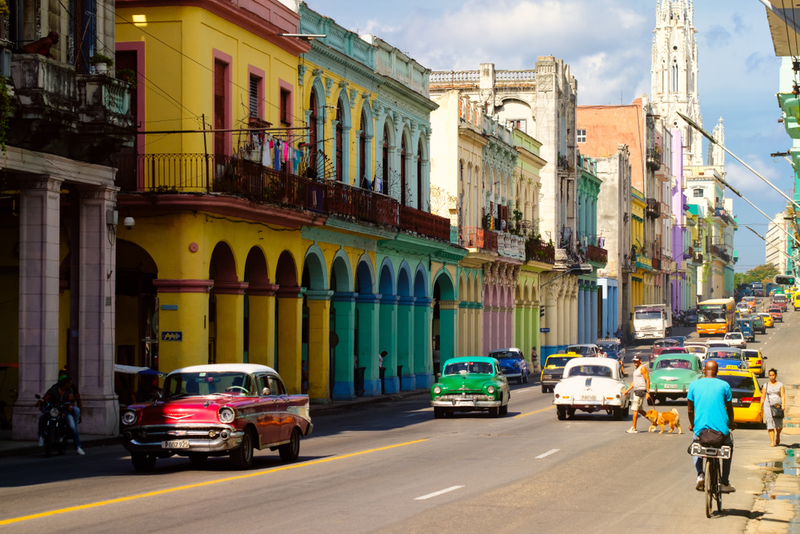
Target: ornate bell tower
(674, 73)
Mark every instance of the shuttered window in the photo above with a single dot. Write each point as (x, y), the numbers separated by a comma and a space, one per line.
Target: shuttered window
(254, 95)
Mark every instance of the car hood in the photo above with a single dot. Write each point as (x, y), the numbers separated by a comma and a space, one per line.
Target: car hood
(185, 410)
(674, 375)
(509, 362)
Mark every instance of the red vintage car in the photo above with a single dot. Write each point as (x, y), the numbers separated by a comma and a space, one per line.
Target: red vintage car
(217, 410)
(776, 313)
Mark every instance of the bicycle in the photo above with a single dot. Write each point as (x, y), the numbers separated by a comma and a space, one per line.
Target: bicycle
(712, 469)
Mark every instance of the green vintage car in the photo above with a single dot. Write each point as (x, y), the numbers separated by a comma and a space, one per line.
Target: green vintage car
(471, 383)
(758, 323)
(671, 376)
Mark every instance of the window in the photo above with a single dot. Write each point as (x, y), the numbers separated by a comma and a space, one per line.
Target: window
(519, 124)
(419, 175)
(254, 81)
(340, 142)
(362, 152)
(675, 77)
(581, 136)
(403, 172)
(312, 136)
(698, 193)
(286, 106)
(220, 111)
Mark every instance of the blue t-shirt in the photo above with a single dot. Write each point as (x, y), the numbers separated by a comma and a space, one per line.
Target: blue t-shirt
(709, 396)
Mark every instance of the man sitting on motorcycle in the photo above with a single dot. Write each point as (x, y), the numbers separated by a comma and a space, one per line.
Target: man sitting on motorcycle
(58, 394)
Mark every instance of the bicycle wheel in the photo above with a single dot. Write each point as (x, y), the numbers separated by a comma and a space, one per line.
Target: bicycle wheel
(710, 474)
(718, 485)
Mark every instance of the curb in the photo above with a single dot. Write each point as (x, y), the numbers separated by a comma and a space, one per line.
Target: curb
(31, 449)
(335, 408)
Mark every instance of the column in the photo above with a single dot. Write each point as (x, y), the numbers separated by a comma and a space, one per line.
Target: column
(573, 312)
(593, 315)
(561, 322)
(388, 341)
(405, 342)
(477, 328)
(551, 322)
(581, 305)
(97, 253)
(344, 311)
(519, 331)
(448, 329)
(39, 223)
(587, 315)
(536, 336)
(423, 369)
(261, 299)
(319, 345)
(290, 329)
(368, 319)
(230, 321)
(463, 322)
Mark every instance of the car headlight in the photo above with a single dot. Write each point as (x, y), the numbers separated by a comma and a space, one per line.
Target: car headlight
(129, 417)
(437, 390)
(226, 415)
(490, 390)
(53, 412)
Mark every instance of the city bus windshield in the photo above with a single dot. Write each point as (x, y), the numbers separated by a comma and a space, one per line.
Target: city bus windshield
(714, 315)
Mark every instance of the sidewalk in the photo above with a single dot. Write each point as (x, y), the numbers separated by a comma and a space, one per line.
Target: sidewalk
(8, 447)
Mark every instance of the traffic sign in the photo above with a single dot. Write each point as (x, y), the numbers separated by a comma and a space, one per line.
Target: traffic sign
(544, 330)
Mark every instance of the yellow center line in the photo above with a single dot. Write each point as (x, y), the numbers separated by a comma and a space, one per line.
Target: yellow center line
(520, 415)
(201, 484)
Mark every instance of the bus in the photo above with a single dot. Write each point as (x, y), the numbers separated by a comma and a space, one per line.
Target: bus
(758, 289)
(715, 316)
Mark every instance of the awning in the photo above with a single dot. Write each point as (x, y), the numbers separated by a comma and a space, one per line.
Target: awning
(132, 370)
(785, 37)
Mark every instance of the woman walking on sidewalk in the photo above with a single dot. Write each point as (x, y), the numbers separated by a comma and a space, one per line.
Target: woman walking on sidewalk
(773, 395)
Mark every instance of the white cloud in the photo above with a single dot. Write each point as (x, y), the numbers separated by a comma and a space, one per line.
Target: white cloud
(751, 186)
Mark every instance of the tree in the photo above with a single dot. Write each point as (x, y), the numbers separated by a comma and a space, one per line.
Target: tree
(762, 273)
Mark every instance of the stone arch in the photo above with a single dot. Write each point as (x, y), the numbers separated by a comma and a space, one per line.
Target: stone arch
(447, 288)
(222, 266)
(315, 269)
(225, 308)
(462, 287)
(316, 113)
(365, 276)
(343, 125)
(255, 268)
(258, 313)
(286, 271)
(404, 280)
(288, 328)
(366, 135)
(421, 282)
(386, 285)
(341, 280)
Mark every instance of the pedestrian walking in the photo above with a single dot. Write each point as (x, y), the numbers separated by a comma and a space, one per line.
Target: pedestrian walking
(773, 395)
(640, 388)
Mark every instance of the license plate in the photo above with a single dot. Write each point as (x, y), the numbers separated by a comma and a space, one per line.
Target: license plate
(731, 367)
(588, 397)
(670, 386)
(175, 444)
(736, 401)
(465, 403)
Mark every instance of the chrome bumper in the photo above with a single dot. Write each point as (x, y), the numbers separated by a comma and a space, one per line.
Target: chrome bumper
(139, 440)
(462, 405)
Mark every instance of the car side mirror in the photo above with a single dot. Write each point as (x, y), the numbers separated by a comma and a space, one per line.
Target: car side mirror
(265, 391)
(438, 376)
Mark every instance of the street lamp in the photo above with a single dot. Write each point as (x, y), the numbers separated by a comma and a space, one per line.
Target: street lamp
(576, 269)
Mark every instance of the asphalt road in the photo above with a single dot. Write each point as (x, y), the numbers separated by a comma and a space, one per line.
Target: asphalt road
(393, 468)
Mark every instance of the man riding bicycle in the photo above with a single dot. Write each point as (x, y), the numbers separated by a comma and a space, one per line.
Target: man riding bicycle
(710, 399)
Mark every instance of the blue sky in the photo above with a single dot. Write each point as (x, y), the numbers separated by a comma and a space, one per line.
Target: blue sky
(607, 44)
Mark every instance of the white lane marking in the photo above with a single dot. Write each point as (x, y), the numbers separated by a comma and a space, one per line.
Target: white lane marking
(548, 453)
(437, 493)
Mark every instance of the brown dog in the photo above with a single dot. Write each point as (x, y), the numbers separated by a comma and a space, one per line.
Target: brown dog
(670, 418)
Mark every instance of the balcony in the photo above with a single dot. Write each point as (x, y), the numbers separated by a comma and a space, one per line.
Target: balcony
(723, 214)
(654, 157)
(656, 264)
(511, 246)
(665, 211)
(721, 253)
(597, 254)
(481, 239)
(83, 117)
(537, 250)
(198, 173)
(653, 208)
(423, 223)
(644, 263)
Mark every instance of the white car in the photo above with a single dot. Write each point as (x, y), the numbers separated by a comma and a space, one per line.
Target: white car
(584, 349)
(735, 339)
(696, 348)
(591, 385)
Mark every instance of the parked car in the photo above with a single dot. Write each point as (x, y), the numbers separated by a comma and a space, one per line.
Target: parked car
(745, 393)
(469, 384)
(755, 361)
(554, 369)
(512, 363)
(216, 410)
(767, 319)
(584, 349)
(591, 385)
(668, 350)
(776, 313)
(727, 357)
(671, 375)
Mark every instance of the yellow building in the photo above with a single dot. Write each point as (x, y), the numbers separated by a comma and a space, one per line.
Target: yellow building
(642, 264)
(269, 239)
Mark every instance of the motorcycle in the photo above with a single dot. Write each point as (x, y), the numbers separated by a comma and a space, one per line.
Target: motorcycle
(56, 430)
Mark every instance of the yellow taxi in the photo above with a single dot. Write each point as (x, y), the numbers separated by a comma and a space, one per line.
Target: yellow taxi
(553, 369)
(755, 361)
(769, 322)
(796, 301)
(746, 395)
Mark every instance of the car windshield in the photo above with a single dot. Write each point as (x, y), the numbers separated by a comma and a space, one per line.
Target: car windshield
(557, 361)
(739, 382)
(591, 370)
(712, 316)
(504, 355)
(581, 350)
(648, 316)
(724, 355)
(674, 364)
(734, 335)
(483, 368)
(609, 346)
(775, 310)
(207, 383)
(695, 349)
